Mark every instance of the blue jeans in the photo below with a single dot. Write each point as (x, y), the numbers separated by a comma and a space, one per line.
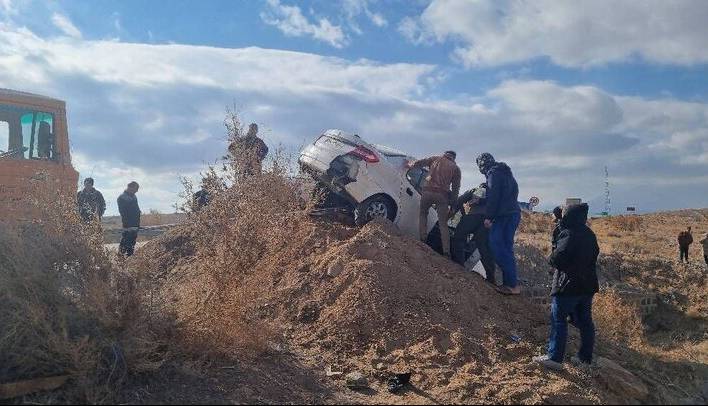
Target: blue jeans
(580, 310)
(501, 241)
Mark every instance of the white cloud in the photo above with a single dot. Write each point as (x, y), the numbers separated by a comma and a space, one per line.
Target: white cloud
(7, 7)
(161, 115)
(570, 33)
(291, 21)
(63, 23)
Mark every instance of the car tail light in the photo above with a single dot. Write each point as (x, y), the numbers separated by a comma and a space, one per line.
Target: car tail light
(365, 154)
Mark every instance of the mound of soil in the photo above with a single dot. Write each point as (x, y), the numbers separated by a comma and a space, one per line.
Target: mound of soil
(376, 302)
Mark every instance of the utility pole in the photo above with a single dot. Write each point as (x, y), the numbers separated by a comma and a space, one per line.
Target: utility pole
(608, 205)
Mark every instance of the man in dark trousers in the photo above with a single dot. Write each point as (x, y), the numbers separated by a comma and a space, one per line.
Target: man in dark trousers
(249, 151)
(685, 239)
(90, 202)
(502, 217)
(441, 189)
(130, 216)
(557, 217)
(574, 286)
(472, 222)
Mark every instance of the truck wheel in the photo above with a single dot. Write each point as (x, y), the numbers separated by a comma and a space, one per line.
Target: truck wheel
(375, 206)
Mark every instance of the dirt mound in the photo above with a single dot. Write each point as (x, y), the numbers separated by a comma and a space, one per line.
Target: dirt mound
(377, 302)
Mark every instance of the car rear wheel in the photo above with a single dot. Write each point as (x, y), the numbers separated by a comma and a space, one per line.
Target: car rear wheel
(373, 207)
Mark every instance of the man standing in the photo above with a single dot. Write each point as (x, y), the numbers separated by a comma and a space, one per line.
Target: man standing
(574, 286)
(502, 216)
(704, 241)
(249, 151)
(130, 216)
(90, 202)
(685, 239)
(472, 222)
(443, 175)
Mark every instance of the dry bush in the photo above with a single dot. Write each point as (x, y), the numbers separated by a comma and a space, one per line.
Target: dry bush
(249, 217)
(624, 223)
(616, 319)
(153, 218)
(66, 308)
(535, 223)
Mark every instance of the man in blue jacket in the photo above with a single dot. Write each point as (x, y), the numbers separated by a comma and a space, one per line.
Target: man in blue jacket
(574, 286)
(130, 216)
(503, 216)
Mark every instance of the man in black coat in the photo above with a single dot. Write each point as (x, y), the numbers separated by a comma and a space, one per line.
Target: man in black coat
(574, 285)
(472, 222)
(91, 203)
(130, 216)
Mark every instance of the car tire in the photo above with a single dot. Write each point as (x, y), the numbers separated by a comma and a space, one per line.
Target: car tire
(375, 206)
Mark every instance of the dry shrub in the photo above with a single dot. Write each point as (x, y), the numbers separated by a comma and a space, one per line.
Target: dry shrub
(535, 223)
(616, 319)
(66, 308)
(250, 215)
(153, 218)
(624, 223)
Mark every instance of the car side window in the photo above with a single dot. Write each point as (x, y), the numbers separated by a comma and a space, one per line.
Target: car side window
(417, 178)
(26, 134)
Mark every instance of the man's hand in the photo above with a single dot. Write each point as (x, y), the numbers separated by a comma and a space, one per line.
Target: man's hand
(488, 223)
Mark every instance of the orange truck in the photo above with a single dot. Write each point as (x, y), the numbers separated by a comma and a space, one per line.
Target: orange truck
(34, 146)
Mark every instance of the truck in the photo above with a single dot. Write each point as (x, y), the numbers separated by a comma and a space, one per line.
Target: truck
(34, 146)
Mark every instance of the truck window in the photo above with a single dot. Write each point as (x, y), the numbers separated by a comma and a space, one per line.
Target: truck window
(26, 134)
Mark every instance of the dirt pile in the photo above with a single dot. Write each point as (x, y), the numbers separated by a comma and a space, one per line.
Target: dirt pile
(376, 302)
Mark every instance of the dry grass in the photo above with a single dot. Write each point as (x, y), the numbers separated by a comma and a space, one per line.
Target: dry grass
(66, 308)
(617, 320)
(624, 224)
(536, 223)
(249, 217)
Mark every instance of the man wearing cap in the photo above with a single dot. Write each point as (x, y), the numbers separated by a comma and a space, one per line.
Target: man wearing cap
(441, 189)
(502, 217)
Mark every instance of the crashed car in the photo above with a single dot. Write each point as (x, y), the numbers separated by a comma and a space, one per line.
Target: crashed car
(373, 180)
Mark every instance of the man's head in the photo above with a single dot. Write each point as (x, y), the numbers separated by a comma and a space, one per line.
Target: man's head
(88, 183)
(133, 187)
(485, 162)
(558, 212)
(252, 130)
(451, 155)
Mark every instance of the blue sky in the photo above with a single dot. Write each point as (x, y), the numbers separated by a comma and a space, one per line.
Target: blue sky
(558, 89)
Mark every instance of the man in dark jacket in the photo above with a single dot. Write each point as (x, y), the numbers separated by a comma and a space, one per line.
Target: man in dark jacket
(90, 202)
(249, 151)
(472, 222)
(685, 239)
(502, 216)
(557, 217)
(130, 216)
(574, 285)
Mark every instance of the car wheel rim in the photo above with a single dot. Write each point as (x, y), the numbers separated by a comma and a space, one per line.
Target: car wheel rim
(377, 209)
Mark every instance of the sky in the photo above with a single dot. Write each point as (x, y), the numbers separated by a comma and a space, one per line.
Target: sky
(557, 89)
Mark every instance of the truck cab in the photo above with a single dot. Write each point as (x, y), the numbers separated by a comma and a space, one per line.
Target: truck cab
(34, 146)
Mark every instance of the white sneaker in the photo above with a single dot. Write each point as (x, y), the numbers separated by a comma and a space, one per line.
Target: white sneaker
(547, 362)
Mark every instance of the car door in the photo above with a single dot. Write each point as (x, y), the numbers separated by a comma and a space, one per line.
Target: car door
(412, 182)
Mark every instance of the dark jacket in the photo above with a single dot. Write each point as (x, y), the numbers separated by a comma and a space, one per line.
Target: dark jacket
(555, 235)
(479, 207)
(201, 199)
(685, 239)
(575, 256)
(91, 204)
(502, 192)
(129, 210)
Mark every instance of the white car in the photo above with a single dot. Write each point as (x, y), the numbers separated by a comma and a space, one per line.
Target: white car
(373, 179)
